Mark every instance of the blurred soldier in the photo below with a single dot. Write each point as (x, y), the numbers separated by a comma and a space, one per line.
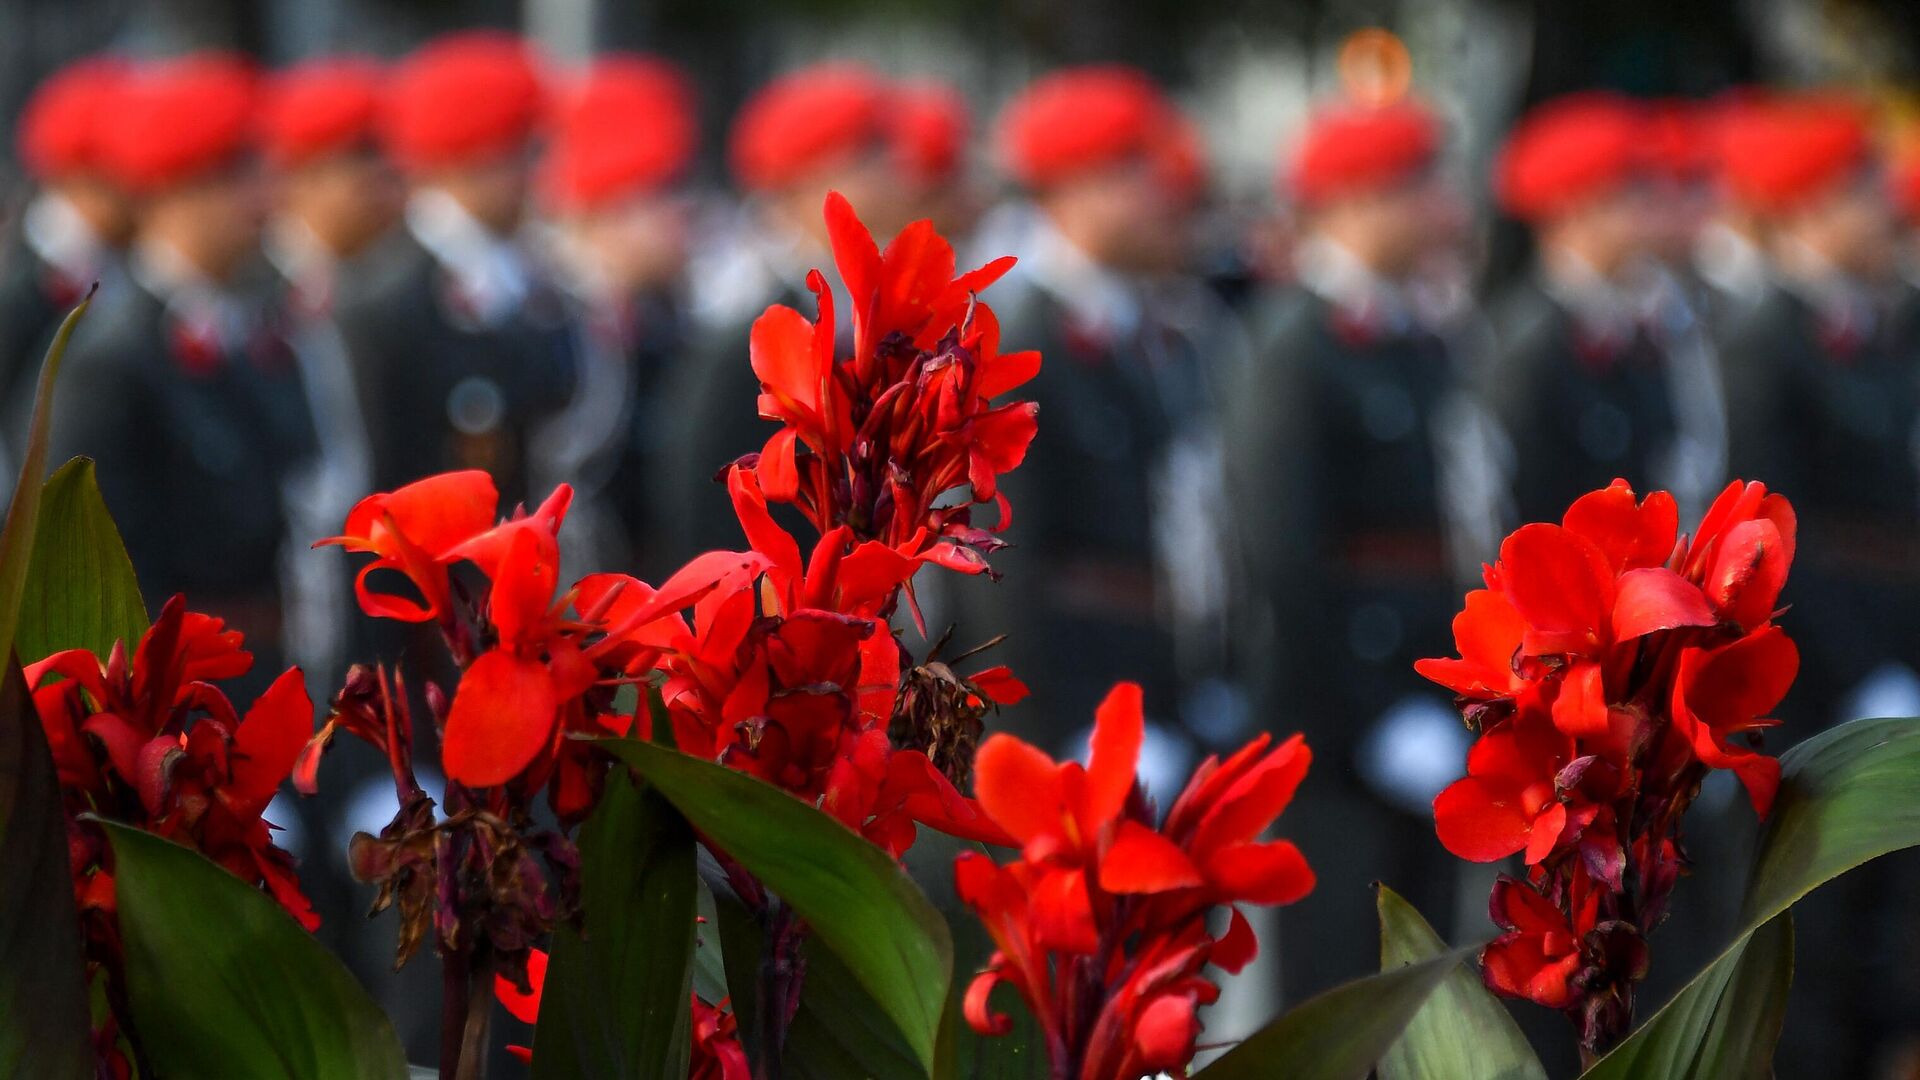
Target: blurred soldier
(1822, 389)
(71, 231)
(335, 196)
(1728, 253)
(831, 127)
(1111, 168)
(621, 143)
(460, 344)
(181, 389)
(1581, 383)
(1333, 450)
(932, 127)
(1823, 406)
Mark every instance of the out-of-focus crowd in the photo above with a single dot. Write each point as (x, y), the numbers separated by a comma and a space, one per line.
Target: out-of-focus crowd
(1260, 491)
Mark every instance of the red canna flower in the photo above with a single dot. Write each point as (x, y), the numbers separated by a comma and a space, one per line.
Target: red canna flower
(413, 530)
(156, 744)
(1608, 664)
(871, 441)
(1100, 898)
(717, 1053)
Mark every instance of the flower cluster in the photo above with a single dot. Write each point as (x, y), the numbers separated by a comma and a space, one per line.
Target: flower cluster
(1102, 924)
(534, 669)
(151, 741)
(873, 441)
(716, 1053)
(1607, 666)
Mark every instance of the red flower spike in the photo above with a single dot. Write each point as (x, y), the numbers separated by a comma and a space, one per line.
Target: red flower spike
(1607, 666)
(1099, 889)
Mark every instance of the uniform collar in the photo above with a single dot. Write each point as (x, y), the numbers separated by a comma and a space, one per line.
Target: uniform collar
(1731, 262)
(1331, 271)
(490, 271)
(1100, 301)
(205, 311)
(59, 234)
(292, 248)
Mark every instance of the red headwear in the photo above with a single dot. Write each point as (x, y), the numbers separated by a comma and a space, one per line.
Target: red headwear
(179, 120)
(318, 108)
(1778, 154)
(1568, 151)
(628, 126)
(1680, 139)
(462, 99)
(931, 125)
(1084, 119)
(60, 128)
(1350, 148)
(804, 120)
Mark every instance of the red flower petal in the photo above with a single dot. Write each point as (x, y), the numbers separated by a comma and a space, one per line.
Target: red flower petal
(1656, 598)
(1480, 820)
(1268, 873)
(524, 1007)
(1119, 727)
(270, 739)
(1236, 948)
(1632, 534)
(1580, 709)
(1142, 861)
(502, 716)
(1018, 787)
(1164, 1034)
(1559, 583)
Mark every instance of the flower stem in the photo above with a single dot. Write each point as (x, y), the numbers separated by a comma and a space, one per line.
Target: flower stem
(466, 1006)
(777, 995)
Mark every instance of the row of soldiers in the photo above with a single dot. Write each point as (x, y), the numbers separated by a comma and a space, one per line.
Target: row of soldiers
(1263, 504)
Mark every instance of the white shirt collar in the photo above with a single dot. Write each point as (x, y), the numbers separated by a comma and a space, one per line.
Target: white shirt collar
(1333, 272)
(1101, 300)
(490, 270)
(62, 237)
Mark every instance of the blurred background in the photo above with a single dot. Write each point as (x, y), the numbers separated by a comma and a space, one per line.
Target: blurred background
(1331, 297)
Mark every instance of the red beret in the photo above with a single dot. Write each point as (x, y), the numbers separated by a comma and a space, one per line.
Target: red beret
(179, 120)
(931, 125)
(462, 99)
(1357, 148)
(1569, 150)
(1780, 153)
(1903, 184)
(804, 120)
(60, 128)
(1680, 139)
(318, 108)
(1088, 118)
(627, 126)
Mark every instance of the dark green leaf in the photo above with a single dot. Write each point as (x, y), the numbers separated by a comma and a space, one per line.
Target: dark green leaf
(81, 592)
(224, 983)
(615, 1002)
(1462, 1031)
(1722, 1025)
(17, 535)
(1847, 795)
(855, 899)
(43, 992)
(1340, 1034)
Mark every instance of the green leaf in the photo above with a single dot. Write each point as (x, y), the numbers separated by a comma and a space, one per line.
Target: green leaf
(1722, 1025)
(615, 1002)
(44, 1024)
(1340, 1034)
(1463, 1031)
(17, 535)
(857, 901)
(1848, 795)
(224, 983)
(81, 592)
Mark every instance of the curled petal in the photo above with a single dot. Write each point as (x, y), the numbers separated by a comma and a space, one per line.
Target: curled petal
(978, 1008)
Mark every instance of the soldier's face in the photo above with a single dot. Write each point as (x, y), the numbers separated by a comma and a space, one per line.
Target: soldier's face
(348, 200)
(1858, 229)
(494, 192)
(213, 221)
(639, 243)
(103, 206)
(1127, 217)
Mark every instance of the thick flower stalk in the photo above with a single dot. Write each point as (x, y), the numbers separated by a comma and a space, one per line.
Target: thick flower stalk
(1101, 925)
(1608, 665)
(151, 741)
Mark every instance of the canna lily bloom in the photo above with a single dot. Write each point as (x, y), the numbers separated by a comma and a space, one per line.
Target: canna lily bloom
(717, 1053)
(1607, 665)
(151, 741)
(872, 441)
(156, 744)
(1099, 890)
